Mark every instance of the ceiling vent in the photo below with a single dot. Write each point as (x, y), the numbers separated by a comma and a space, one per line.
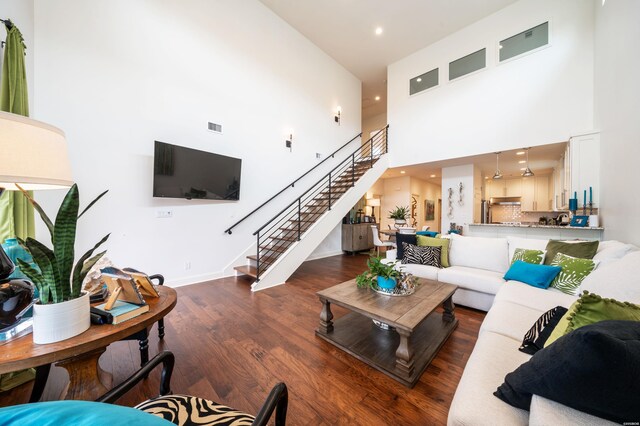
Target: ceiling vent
(214, 127)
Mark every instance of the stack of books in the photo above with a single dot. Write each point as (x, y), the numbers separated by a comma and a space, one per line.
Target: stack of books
(120, 312)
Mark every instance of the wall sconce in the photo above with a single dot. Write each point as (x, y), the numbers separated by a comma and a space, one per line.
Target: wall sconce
(289, 141)
(337, 116)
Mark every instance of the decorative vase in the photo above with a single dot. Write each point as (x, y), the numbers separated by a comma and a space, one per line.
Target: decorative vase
(387, 283)
(399, 222)
(60, 321)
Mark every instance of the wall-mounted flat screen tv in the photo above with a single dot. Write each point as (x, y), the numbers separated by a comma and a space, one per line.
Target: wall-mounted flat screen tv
(180, 172)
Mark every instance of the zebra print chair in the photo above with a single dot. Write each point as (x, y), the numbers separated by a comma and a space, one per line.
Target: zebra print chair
(191, 410)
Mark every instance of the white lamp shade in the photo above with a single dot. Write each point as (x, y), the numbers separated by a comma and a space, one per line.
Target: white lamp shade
(373, 202)
(34, 154)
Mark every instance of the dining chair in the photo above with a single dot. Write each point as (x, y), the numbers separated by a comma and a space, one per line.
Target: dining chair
(378, 242)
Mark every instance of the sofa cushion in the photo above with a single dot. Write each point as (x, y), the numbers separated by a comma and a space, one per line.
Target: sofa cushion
(422, 271)
(491, 254)
(592, 369)
(534, 298)
(473, 403)
(443, 243)
(573, 271)
(422, 255)
(619, 280)
(535, 275)
(509, 319)
(525, 243)
(472, 278)
(545, 412)
(581, 249)
(612, 250)
(404, 238)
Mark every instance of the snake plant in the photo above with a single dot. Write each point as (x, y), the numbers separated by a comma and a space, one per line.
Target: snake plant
(57, 279)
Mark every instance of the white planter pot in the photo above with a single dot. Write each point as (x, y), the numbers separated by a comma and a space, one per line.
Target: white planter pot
(60, 321)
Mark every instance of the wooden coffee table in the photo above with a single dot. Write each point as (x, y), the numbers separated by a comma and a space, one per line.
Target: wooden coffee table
(403, 353)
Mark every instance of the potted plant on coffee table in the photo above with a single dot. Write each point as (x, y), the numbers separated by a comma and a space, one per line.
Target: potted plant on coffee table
(62, 311)
(379, 275)
(399, 215)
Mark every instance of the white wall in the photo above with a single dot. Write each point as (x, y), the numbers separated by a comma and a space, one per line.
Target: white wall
(539, 98)
(118, 75)
(372, 124)
(397, 193)
(617, 102)
(451, 178)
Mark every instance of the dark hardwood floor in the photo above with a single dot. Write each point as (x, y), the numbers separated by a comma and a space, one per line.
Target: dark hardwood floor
(232, 346)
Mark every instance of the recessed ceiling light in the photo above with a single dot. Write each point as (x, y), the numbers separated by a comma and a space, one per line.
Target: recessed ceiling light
(378, 98)
(418, 79)
(520, 153)
(499, 46)
(522, 161)
(402, 172)
(378, 30)
(433, 176)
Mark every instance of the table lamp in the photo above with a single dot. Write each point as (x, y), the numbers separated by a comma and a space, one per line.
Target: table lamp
(34, 156)
(373, 203)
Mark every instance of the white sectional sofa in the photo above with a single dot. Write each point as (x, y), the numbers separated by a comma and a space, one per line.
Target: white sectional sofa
(477, 267)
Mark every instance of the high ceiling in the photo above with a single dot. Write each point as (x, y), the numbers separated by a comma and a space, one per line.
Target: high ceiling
(345, 30)
(542, 159)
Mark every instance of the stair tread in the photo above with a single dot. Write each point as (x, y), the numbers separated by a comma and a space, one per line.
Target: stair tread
(247, 270)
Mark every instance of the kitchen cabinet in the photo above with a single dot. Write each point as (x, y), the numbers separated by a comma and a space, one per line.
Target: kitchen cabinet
(357, 237)
(585, 167)
(513, 187)
(535, 194)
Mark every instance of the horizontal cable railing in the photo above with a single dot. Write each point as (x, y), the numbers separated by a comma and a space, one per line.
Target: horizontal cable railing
(291, 185)
(288, 226)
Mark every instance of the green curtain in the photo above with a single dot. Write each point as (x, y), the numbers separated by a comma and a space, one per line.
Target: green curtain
(16, 214)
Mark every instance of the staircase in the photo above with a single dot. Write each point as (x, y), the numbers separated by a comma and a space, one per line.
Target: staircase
(280, 244)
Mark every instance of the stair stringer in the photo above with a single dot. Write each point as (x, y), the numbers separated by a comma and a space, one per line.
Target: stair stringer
(291, 260)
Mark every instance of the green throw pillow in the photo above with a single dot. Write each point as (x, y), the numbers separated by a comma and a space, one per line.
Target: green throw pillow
(436, 242)
(530, 256)
(583, 250)
(574, 270)
(591, 308)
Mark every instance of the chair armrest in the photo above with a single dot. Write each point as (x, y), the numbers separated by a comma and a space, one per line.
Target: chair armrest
(158, 277)
(278, 400)
(166, 358)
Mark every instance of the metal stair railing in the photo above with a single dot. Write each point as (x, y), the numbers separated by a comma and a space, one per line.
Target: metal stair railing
(291, 185)
(289, 225)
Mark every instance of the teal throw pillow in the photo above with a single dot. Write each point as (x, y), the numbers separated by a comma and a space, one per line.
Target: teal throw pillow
(431, 234)
(77, 413)
(529, 256)
(574, 270)
(539, 276)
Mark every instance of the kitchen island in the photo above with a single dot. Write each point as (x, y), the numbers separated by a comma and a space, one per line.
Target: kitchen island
(533, 230)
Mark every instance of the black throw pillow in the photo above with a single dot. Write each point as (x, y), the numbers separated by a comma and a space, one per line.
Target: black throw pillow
(404, 238)
(537, 335)
(592, 369)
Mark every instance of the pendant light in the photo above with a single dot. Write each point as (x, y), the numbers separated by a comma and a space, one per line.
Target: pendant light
(497, 174)
(527, 171)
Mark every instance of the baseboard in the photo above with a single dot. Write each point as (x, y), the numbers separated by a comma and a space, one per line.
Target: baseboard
(323, 255)
(196, 279)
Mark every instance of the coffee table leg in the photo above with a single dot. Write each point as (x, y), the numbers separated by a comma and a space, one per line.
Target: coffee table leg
(449, 307)
(326, 325)
(87, 381)
(404, 353)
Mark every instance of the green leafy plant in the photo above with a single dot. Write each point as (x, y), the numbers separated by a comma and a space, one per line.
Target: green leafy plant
(377, 269)
(399, 213)
(57, 279)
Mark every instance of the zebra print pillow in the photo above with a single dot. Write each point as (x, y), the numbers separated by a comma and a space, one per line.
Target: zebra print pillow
(191, 410)
(422, 255)
(536, 337)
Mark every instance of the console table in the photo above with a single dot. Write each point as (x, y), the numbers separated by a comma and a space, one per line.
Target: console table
(79, 355)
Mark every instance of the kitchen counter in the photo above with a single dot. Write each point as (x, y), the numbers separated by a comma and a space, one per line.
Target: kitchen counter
(533, 230)
(536, 225)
